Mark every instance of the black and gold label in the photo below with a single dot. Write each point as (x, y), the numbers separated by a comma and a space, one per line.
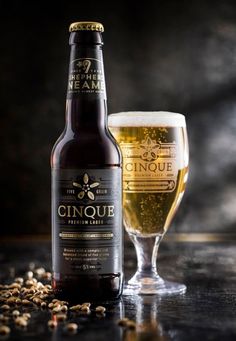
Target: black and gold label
(86, 220)
(86, 77)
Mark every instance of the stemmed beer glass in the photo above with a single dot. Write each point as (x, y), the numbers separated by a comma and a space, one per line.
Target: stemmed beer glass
(154, 147)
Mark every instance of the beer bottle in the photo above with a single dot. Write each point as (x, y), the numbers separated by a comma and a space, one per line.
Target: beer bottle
(86, 181)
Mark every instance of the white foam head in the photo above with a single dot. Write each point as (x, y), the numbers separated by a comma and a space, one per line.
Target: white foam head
(146, 119)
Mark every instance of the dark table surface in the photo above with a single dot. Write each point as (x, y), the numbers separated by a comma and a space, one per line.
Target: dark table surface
(206, 312)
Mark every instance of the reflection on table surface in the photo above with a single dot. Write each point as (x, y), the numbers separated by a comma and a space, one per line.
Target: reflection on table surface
(145, 314)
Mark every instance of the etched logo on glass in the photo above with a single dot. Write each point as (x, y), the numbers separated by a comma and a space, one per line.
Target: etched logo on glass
(149, 166)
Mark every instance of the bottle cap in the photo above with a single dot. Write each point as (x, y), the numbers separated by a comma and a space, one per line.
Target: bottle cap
(86, 26)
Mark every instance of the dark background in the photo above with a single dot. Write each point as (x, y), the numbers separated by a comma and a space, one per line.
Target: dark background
(159, 55)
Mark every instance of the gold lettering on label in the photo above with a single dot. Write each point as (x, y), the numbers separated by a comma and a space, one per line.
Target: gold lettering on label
(60, 208)
(78, 211)
(76, 85)
(85, 85)
(69, 211)
(70, 86)
(110, 211)
(86, 77)
(92, 212)
(103, 213)
(95, 85)
(86, 65)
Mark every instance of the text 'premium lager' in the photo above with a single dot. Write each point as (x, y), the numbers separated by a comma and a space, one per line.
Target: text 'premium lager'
(86, 181)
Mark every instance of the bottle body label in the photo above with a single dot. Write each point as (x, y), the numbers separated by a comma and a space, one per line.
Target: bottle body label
(86, 221)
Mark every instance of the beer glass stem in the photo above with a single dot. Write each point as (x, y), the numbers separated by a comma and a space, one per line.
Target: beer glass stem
(146, 250)
(146, 280)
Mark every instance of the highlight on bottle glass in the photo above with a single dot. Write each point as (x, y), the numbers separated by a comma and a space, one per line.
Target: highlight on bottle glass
(155, 153)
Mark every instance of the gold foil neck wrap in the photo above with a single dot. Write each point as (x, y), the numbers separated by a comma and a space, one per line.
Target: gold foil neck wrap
(86, 26)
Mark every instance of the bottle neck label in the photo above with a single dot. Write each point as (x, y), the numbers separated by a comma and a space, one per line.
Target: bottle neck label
(86, 74)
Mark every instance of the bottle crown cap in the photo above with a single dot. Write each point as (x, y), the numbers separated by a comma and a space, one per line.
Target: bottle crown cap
(86, 26)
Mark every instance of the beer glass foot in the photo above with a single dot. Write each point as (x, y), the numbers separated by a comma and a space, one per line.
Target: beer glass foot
(148, 288)
(146, 280)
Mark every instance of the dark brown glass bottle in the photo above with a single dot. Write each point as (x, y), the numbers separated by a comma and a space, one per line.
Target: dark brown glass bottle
(86, 182)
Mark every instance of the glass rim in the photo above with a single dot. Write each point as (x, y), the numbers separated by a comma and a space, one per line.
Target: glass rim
(146, 119)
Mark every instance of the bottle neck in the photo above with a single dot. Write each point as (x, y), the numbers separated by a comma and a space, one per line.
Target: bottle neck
(86, 106)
